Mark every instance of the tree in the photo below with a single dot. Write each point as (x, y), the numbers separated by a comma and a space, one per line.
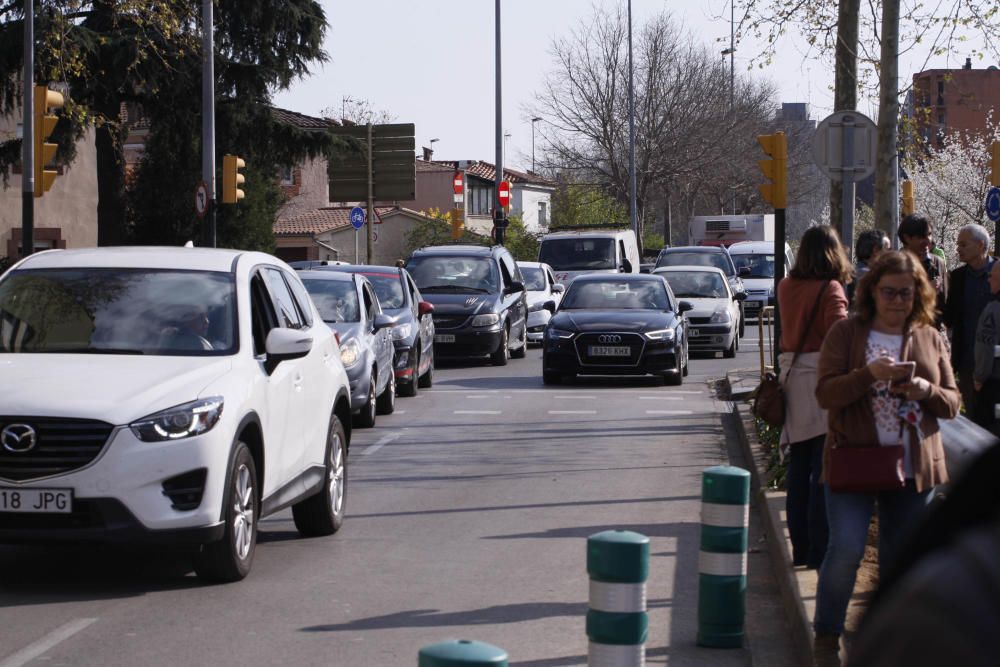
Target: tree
(578, 205)
(435, 229)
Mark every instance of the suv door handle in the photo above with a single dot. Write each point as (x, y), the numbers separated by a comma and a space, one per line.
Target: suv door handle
(297, 381)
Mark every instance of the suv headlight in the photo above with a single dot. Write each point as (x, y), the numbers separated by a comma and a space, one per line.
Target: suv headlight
(721, 317)
(401, 331)
(661, 334)
(557, 334)
(350, 353)
(181, 421)
(487, 320)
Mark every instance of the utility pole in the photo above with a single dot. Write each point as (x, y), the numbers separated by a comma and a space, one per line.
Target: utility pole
(533, 121)
(631, 134)
(208, 116)
(28, 135)
(499, 219)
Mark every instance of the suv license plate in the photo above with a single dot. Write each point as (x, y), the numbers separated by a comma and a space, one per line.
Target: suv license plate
(444, 338)
(36, 501)
(603, 351)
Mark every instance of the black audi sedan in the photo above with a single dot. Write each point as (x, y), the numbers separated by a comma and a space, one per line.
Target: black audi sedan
(617, 324)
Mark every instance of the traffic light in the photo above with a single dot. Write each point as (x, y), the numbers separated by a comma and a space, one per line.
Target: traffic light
(995, 163)
(775, 169)
(909, 203)
(456, 224)
(232, 179)
(45, 123)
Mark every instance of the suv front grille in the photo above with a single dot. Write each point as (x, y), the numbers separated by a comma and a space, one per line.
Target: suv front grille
(61, 446)
(449, 321)
(634, 342)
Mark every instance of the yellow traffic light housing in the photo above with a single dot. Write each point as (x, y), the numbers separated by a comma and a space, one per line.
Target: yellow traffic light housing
(995, 163)
(456, 224)
(232, 179)
(909, 202)
(45, 123)
(775, 169)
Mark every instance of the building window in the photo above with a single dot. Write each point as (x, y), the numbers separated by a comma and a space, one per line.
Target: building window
(287, 175)
(543, 217)
(940, 96)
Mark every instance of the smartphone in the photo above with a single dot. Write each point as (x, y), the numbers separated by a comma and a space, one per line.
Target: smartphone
(908, 370)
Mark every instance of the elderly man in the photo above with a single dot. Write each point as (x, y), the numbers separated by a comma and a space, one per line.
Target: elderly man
(969, 292)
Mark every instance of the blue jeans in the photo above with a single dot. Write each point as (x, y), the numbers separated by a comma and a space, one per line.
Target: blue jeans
(805, 502)
(849, 515)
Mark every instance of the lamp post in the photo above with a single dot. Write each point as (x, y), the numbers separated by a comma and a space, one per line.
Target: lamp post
(506, 136)
(533, 121)
(431, 156)
(631, 133)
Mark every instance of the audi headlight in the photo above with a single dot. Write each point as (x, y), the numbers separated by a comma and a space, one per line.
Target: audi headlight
(557, 334)
(401, 331)
(350, 353)
(660, 334)
(487, 320)
(721, 317)
(181, 421)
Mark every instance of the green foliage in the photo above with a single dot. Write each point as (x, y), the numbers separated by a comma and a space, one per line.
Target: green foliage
(777, 470)
(436, 230)
(523, 245)
(576, 205)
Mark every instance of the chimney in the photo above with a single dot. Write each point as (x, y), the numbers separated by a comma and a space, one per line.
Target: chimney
(428, 154)
(968, 63)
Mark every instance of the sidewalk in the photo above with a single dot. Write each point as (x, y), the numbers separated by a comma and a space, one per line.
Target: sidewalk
(798, 585)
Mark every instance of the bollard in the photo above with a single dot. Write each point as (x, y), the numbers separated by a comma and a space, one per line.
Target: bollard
(461, 653)
(722, 561)
(618, 565)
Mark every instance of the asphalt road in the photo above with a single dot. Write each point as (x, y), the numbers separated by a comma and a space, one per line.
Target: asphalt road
(468, 513)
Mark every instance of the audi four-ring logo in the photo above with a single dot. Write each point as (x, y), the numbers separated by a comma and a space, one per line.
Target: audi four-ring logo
(609, 338)
(18, 438)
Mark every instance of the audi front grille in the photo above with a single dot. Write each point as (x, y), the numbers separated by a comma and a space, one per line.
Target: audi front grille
(61, 445)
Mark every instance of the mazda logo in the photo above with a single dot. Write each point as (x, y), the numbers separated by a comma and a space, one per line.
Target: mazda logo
(609, 338)
(18, 438)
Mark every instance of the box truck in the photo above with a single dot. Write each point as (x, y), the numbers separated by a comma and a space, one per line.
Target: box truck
(728, 229)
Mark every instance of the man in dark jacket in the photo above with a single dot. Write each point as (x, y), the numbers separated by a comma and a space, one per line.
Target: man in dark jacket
(916, 235)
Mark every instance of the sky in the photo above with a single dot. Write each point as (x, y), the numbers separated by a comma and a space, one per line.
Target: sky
(431, 62)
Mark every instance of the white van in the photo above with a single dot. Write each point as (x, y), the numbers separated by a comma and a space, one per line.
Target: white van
(594, 251)
(754, 261)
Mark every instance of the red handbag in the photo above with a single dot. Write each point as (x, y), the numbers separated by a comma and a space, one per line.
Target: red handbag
(865, 469)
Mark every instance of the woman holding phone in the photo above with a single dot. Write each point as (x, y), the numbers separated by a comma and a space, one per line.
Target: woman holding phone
(884, 379)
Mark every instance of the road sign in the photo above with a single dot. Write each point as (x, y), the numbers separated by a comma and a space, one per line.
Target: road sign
(458, 182)
(201, 199)
(844, 144)
(993, 204)
(504, 193)
(357, 217)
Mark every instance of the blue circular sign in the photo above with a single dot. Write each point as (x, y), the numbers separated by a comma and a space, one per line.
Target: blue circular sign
(358, 217)
(993, 204)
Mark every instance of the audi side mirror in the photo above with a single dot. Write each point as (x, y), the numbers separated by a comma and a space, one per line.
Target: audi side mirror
(684, 306)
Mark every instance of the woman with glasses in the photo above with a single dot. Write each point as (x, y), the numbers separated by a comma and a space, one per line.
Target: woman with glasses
(885, 380)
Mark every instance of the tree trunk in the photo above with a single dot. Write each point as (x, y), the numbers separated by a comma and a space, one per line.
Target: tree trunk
(886, 171)
(845, 96)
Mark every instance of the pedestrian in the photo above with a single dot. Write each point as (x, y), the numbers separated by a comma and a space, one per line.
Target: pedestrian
(986, 372)
(917, 236)
(864, 370)
(866, 249)
(969, 292)
(810, 301)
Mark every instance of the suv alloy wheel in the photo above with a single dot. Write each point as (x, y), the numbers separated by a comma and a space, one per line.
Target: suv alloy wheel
(323, 513)
(230, 558)
(502, 354)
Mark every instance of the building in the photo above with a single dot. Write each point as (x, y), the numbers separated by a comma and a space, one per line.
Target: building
(955, 100)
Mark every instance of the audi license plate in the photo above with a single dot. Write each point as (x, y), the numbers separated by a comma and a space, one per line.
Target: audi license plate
(609, 351)
(694, 333)
(444, 338)
(36, 501)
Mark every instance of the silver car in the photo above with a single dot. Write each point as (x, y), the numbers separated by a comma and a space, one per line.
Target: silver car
(540, 287)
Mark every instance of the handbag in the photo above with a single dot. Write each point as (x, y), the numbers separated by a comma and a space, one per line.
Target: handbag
(769, 396)
(865, 469)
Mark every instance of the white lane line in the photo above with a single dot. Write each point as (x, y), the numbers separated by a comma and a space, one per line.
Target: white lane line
(380, 443)
(572, 412)
(573, 398)
(43, 645)
(478, 412)
(478, 396)
(660, 398)
(678, 391)
(669, 412)
(399, 412)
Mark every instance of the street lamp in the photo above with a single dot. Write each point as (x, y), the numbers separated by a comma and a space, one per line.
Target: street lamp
(533, 121)
(432, 147)
(506, 136)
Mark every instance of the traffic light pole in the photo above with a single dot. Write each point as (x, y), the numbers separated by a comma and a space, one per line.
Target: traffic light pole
(28, 135)
(208, 117)
(498, 212)
(779, 275)
(369, 250)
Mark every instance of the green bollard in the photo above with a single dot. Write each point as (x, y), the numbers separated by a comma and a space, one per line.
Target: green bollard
(461, 653)
(617, 625)
(722, 561)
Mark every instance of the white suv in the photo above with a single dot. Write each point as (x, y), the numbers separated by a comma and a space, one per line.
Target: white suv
(167, 394)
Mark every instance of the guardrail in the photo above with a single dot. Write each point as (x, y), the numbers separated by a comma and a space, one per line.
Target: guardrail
(766, 345)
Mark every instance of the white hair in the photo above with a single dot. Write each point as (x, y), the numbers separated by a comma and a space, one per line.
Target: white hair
(978, 232)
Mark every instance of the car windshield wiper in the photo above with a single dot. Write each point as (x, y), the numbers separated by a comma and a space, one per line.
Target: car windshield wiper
(454, 288)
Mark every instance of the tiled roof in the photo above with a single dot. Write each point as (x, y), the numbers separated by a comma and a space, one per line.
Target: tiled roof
(320, 220)
(488, 171)
(302, 121)
(424, 165)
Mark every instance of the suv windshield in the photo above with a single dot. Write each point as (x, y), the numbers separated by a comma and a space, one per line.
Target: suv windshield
(448, 273)
(696, 284)
(118, 311)
(610, 295)
(578, 254)
(534, 278)
(761, 266)
(681, 258)
(387, 288)
(336, 300)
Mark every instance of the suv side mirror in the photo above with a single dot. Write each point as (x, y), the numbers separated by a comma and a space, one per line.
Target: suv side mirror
(283, 344)
(382, 321)
(425, 308)
(549, 306)
(515, 286)
(626, 266)
(684, 306)
(559, 288)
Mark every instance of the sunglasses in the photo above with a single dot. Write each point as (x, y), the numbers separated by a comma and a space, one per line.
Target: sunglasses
(891, 293)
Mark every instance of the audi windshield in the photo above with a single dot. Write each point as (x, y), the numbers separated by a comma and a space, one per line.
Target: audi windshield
(609, 295)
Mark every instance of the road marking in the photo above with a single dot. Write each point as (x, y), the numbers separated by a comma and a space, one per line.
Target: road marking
(573, 398)
(380, 443)
(478, 396)
(399, 412)
(669, 412)
(678, 391)
(572, 412)
(660, 398)
(478, 412)
(57, 636)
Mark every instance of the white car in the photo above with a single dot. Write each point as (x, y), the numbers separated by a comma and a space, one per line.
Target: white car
(540, 287)
(712, 322)
(168, 395)
(755, 262)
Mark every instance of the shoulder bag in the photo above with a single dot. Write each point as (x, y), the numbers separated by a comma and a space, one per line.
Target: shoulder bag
(769, 396)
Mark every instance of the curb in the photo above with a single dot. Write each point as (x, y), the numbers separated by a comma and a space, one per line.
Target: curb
(769, 505)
